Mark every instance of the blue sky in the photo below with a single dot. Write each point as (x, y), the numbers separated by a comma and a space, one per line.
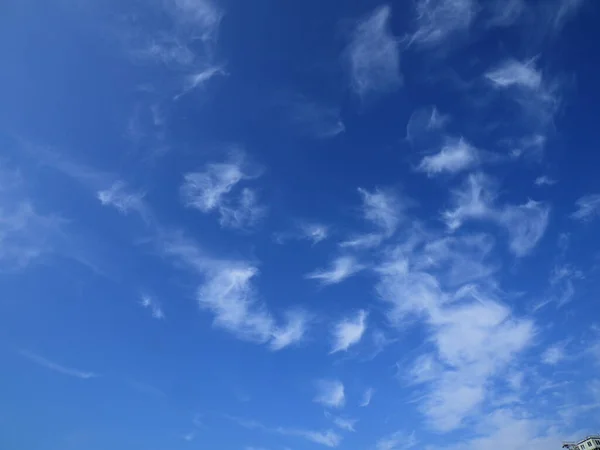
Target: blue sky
(268, 225)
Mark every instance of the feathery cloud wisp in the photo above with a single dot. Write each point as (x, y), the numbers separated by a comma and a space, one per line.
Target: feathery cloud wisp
(525, 224)
(373, 55)
(57, 367)
(330, 394)
(438, 20)
(513, 73)
(123, 200)
(349, 332)
(544, 180)
(153, 305)
(367, 396)
(399, 440)
(213, 189)
(341, 268)
(382, 208)
(554, 354)
(455, 156)
(228, 292)
(588, 207)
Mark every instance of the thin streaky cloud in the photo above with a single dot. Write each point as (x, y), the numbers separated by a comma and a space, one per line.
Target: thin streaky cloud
(345, 424)
(203, 16)
(437, 21)
(341, 268)
(292, 332)
(200, 79)
(349, 331)
(40, 360)
(373, 55)
(588, 207)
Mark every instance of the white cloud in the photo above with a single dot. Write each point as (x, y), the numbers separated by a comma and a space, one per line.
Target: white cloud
(400, 440)
(544, 180)
(200, 79)
(455, 156)
(292, 332)
(383, 208)
(341, 268)
(513, 73)
(26, 235)
(373, 55)
(203, 16)
(512, 429)
(245, 212)
(363, 241)
(473, 201)
(439, 20)
(504, 13)
(345, 423)
(215, 189)
(330, 394)
(367, 397)
(424, 127)
(588, 207)
(328, 438)
(228, 292)
(153, 305)
(473, 336)
(525, 224)
(123, 200)
(554, 354)
(523, 83)
(349, 331)
(314, 232)
(57, 367)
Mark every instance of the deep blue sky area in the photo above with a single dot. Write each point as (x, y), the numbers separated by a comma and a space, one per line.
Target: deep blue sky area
(270, 225)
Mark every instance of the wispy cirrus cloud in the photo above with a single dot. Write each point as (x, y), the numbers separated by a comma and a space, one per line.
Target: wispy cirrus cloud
(399, 440)
(341, 268)
(349, 331)
(51, 365)
(228, 292)
(473, 336)
(199, 79)
(544, 180)
(215, 189)
(367, 396)
(26, 234)
(328, 438)
(455, 156)
(536, 97)
(203, 16)
(525, 223)
(314, 232)
(373, 55)
(124, 200)
(437, 21)
(330, 393)
(554, 354)
(382, 208)
(153, 305)
(588, 208)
